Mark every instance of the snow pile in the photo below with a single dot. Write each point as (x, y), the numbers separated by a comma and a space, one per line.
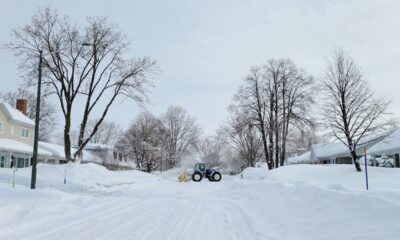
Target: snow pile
(329, 176)
(254, 174)
(79, 177)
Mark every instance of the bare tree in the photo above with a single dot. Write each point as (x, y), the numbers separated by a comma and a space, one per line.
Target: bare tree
(180, 133)
(350, 109)
(251, 99)
(302, 137)
(106, 134)
(142, 142)
(244, 137)
(211, 151)
(81, 62)
(48, 114)
(289, 91)
(275, 97)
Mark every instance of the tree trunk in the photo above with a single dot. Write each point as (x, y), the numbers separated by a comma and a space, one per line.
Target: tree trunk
(271, 129)
(276, 147)
(67, 139)
(356, 163)
(284, 119)
(283, 152)
(82, 134)
(265, 144)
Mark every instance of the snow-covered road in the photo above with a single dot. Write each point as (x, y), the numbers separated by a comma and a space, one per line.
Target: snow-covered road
(169, 211)
(132, 205)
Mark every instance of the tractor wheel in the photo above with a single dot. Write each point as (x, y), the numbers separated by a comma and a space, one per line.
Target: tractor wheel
(196, 177)
(216, 177)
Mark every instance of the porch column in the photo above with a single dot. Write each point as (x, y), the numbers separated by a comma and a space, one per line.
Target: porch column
(9, 160)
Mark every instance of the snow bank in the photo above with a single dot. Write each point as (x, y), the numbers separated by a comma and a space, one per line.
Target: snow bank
(254, 174)
(321, 201)
(329, 176)
(79, 177)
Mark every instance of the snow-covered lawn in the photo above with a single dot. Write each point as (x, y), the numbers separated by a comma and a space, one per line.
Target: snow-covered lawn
(293, 202)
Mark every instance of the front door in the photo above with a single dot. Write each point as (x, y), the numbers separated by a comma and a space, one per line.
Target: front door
(20, 162)
(2, 161)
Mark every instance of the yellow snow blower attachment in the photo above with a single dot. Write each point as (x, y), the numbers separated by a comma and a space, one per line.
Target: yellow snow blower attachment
(182, 177)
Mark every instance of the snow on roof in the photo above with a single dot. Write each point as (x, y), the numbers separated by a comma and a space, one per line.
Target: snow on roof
(337, 149)
(303, 158)
(16, 115)
(98, 146)
(58, 151)
(389, 145)
(88, 157)
(327, 150)
(20, 147)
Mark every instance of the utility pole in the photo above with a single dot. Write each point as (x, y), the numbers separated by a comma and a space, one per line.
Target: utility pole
(35, 144)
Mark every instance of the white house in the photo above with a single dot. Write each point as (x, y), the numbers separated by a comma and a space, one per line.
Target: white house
(338, 153)
(109, 155)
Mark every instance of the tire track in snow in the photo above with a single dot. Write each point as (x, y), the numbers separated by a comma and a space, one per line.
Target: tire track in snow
(60, 229)
(132, 218)
(26, 223)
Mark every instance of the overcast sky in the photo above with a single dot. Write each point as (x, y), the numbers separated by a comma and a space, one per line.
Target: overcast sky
(205, 48)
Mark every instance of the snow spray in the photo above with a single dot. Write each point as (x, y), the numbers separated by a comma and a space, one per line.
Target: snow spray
(366, 167)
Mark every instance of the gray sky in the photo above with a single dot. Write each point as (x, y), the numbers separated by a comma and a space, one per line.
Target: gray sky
(205, 48)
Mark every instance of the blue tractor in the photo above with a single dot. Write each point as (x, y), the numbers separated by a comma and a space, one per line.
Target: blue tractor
(200, 171)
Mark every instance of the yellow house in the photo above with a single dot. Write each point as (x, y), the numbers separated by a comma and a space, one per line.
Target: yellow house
(16, 136)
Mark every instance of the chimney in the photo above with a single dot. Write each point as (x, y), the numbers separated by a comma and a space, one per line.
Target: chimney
(22, 105)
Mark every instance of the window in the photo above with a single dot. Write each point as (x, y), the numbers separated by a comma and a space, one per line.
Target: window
(2, 162)
(24, 133)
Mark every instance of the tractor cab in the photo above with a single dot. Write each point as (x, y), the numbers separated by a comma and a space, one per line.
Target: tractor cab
(201, 167)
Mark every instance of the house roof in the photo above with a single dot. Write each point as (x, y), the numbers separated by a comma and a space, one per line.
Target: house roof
(98, 146)
(15, 115)
(337, 149)
(20, 147)
(58, 151)
(303, 158)
(388, 145)
(328, 150)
